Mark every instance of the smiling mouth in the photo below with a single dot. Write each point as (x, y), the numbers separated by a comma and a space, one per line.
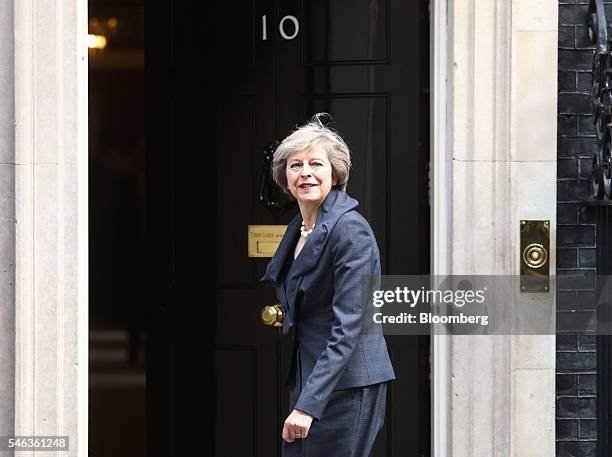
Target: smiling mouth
(306, 185)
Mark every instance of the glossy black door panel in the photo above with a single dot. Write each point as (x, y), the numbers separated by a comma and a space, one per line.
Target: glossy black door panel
(274, 64)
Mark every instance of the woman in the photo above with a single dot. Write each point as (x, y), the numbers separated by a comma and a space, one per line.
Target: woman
(339, 371)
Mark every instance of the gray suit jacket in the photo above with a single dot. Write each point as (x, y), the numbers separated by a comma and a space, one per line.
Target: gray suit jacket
(340, 346)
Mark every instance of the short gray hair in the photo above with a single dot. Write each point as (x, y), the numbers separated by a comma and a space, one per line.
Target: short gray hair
(312, 133)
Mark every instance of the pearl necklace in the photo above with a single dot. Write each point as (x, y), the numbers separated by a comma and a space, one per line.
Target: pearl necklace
(306, 233)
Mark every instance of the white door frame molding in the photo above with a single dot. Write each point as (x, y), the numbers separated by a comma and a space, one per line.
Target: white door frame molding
(51, 170)
(490, 169)
(441, 208)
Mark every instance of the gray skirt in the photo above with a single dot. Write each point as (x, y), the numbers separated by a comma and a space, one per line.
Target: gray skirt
(349, 425)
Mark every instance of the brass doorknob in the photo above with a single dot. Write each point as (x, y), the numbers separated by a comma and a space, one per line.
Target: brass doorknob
(272, 315)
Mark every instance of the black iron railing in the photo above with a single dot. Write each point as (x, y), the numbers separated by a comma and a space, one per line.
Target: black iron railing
(601, 101)
(600, 202)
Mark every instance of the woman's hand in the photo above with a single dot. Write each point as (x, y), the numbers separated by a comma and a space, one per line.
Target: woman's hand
(296, 425)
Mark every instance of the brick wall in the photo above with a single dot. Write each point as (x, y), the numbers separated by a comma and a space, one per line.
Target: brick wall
(576, 357)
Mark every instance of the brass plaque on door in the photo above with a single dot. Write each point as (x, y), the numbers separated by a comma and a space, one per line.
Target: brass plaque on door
(535, 256)
(264, 239)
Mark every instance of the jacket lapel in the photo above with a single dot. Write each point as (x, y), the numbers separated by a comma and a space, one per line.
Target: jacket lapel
(306, 261)
(285, 248)
(335, 205)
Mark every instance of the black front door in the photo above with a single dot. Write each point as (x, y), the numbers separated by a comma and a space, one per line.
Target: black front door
(274, 65)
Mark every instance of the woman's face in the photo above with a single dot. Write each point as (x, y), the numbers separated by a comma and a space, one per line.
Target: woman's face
(309, 175)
